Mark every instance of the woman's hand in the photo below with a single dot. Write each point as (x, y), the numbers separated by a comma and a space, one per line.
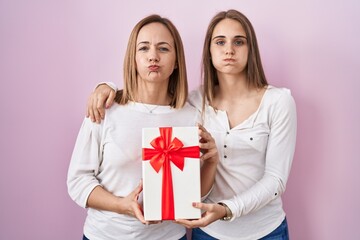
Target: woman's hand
(210, 159)
(102, 96)
(212, 212)
(130, 205)
(207, 146)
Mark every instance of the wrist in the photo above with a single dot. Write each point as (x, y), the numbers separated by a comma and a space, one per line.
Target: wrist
(228, 214)
(120, 206)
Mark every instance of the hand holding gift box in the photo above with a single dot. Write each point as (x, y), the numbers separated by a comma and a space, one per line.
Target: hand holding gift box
(171, 173)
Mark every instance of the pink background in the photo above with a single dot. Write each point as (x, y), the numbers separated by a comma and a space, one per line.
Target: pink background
(52, 53)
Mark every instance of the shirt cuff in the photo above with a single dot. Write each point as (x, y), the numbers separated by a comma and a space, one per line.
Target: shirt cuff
(207, 194)
(232, 208)
(110, 84)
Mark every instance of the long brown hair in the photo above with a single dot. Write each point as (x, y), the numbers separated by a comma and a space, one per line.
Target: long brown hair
(254, 69)
(178, 86)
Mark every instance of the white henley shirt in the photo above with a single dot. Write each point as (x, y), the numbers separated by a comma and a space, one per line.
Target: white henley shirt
(109, 154)
(255, 162)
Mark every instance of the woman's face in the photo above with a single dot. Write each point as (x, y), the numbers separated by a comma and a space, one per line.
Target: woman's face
(228, 47)
(155, 53)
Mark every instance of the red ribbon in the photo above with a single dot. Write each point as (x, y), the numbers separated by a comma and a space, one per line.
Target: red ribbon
(166, 150)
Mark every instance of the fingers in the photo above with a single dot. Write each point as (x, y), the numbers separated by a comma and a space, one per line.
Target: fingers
(211, 155)
(92, 110)
(89, 112)
(203, 206)
(201, 127)
(95, 110)
(154, 222)
(134, 195)
(211, 214)
(102, 96)
(139, 215)
(188, 223)
(100, 105)
(139, 188)
(201, 222)
(207, 145)
(110, 99)
(205, 136)
(134, 208)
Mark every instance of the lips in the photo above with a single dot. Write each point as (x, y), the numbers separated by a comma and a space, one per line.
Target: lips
(229, 60)
(153, 67)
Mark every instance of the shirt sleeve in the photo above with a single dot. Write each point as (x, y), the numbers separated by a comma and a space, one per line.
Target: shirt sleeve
(110, 84)
(195, 98)
(85, 162)
(279, 156)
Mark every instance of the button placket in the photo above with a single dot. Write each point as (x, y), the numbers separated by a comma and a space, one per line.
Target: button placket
(225, 144)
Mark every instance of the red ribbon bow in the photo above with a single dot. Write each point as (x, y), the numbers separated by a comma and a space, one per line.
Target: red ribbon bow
(166, 150)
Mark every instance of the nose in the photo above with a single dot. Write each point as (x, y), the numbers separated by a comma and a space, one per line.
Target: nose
(230, 50)
(153, 56)
(153, 59)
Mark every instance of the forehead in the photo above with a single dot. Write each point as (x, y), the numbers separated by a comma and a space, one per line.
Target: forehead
(228, 28)
(154, 32)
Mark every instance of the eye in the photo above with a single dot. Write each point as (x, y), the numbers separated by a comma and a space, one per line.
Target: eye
(163, 49)
(220, 42)
(239, 42)
(143, 48)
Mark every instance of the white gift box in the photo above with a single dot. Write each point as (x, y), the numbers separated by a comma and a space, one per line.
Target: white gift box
(185, 183)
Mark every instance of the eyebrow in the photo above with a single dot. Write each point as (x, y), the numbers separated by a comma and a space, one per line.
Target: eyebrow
(221, 36)
(159, 43)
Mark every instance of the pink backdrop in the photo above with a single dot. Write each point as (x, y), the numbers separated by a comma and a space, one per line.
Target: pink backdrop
(52, 53)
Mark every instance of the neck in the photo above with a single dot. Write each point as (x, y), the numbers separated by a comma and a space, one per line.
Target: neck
(232, 86)
(153, 93)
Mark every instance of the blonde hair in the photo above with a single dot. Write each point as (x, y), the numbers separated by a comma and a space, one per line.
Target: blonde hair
(178, 86)
(254, 70)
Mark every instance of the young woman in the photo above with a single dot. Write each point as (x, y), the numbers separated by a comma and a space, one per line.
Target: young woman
(105, 170)
(254, 125)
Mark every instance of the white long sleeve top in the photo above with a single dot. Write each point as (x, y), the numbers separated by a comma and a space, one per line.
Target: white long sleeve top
(255, 162)
(109, 155)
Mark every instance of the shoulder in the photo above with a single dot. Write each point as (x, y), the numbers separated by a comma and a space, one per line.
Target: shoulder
(280, 103)
(186, 115)
(90, 129)
(196, 97)
(276, 95)
(188, 108)
(113, 113)
(277, 92)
